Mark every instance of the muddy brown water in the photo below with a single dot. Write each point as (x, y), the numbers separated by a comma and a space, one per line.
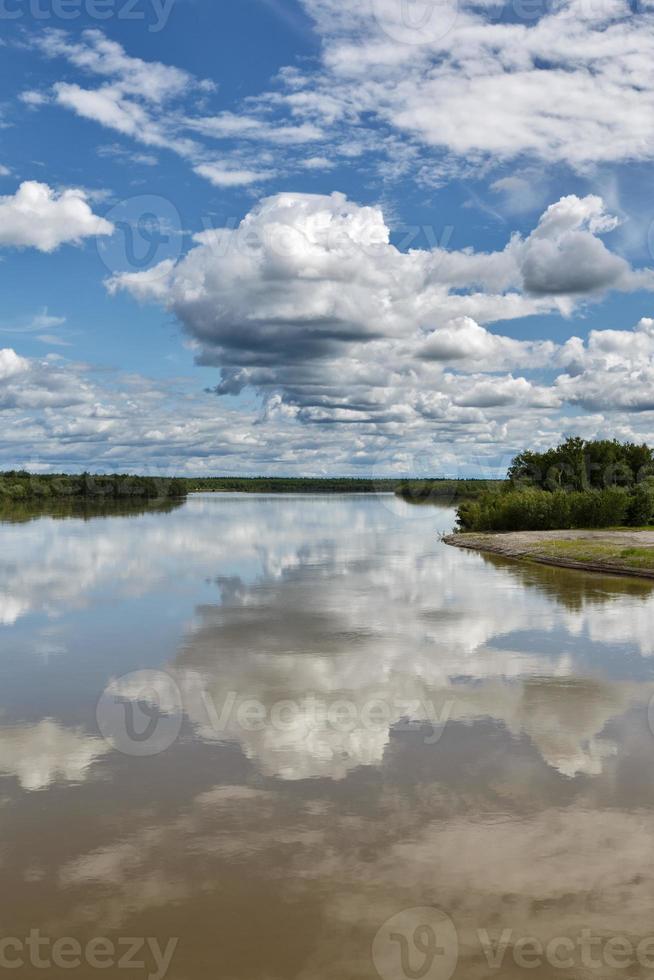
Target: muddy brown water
(288, 738)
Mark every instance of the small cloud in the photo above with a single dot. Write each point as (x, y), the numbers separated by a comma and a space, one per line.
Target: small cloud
(317, 163)
(127, 156)
(146, 159)
(37, 216)
(49, 338)
(43, 320)
(33, 99)
(41, 326)
(521, 193)
(221, 176)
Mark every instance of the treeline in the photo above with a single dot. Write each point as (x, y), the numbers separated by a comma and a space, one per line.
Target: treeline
(417, 491)
(441, 490)
(282, 484)
(19, 485)
(578, 484)
(580, 465)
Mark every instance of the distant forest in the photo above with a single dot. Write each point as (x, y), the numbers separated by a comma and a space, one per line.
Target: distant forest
(416, 490)
(288, 484)
(19, 485)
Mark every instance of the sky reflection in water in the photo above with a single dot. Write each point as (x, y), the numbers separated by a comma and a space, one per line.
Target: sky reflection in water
(371, 721)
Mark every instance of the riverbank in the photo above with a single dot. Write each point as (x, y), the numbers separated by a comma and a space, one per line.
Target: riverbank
(615, 552)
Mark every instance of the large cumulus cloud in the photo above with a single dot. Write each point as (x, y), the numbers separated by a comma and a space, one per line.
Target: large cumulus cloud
(308, 297)
(390, 355)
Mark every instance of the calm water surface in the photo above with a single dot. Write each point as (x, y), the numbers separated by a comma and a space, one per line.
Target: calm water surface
(267, 726)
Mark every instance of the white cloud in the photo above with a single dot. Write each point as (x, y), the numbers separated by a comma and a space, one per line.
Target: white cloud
(520, 192)
(11, 364)
(33, 99)
(228, 126)
(317, 163)
(613, 371)
(45, 321)
(96, 54)
(308, 297)
(500, 392)
(36, 216)
(379, 407)
(464, 340)
(566, 84)
(564, 255)
(463, 80)
(106, 107)
(221, 175)
(146, 101)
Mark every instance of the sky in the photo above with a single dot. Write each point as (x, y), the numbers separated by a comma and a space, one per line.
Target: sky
(313, 237)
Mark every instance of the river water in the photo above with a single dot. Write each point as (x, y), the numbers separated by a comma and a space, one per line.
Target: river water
(290, 738)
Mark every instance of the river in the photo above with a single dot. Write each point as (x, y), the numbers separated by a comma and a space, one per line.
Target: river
(300, 738)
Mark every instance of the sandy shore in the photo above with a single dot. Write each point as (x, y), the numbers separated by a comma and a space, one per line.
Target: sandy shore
(624, 552)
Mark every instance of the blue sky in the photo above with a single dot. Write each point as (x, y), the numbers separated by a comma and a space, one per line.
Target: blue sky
(309, 236)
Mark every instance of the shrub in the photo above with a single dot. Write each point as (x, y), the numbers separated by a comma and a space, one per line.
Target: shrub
(641, 505)
(540, 510)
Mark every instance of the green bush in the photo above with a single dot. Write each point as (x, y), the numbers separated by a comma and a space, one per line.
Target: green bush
(578, 484)
(17, 491)
(540, 510)
(641, 505)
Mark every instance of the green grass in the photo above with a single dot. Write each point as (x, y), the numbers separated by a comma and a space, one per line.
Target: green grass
(603, 552)
(638, 557)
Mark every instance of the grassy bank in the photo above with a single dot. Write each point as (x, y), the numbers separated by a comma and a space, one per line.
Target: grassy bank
(590, 552)
(620, 551)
